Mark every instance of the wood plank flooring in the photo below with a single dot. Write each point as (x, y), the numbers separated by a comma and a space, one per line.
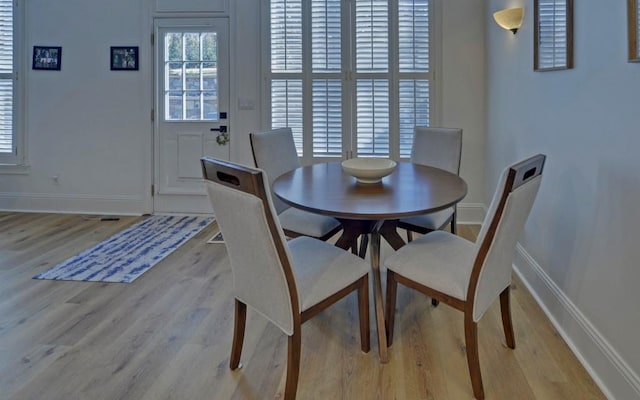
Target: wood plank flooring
(168, 334)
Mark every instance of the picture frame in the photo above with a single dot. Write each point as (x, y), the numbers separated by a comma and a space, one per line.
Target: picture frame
(47, 58)
(633, 13)
(553, 35)
(124, 58)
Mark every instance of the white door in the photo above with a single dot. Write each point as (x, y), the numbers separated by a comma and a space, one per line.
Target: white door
(191, 103)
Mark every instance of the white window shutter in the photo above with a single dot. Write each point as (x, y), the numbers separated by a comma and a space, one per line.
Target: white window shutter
(6, 77)
(552, 34)
(344, 90)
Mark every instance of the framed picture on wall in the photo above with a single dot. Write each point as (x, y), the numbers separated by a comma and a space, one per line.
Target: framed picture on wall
(553, 35)
(634, 30)
(47, 58)
(124, 58)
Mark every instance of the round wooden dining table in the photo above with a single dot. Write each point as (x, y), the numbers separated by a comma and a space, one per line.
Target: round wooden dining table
(370, 209)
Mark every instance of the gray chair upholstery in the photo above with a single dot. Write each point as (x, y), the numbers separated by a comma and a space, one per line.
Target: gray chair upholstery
(440, 148)
(274, 152)
(286, 282)
(470, 276)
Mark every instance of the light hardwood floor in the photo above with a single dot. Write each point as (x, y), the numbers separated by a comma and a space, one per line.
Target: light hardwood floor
(168, 334)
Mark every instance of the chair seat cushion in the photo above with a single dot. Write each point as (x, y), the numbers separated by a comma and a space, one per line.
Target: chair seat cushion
(432, 221)
(306, 223)
(439, 260)
(322, 269)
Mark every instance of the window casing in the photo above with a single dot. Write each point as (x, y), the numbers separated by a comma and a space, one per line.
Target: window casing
(351, 78)
(553, 35)
(11, 151)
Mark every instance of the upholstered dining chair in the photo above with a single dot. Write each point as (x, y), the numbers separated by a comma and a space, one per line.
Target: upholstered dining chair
(470, 276)
(440, 148)
(274, 152)
(286, 282)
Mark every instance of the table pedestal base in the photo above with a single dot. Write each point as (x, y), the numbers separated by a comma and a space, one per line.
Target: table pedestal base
(351, 230)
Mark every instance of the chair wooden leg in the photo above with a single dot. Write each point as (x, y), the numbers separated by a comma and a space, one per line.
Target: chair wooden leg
(392, 288)
(240, 320)
(363, 313)
(293, 364)
(473, 360)
(364, 242)
(453, 223)
(409, 236)
(505, 309)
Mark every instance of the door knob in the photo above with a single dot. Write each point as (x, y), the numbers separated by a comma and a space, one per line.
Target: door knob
(221, 129)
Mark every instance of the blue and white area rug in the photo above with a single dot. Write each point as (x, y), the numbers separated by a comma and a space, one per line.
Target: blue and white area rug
(127, 255)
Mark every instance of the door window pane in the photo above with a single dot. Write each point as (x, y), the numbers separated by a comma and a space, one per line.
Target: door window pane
(191, 83)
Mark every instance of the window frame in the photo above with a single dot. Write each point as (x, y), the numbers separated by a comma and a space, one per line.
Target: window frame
(348, 78)
(569, 39)
(16, 162)
(633, 16)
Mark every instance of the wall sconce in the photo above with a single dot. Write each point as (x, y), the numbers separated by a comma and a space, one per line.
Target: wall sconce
(510, 18)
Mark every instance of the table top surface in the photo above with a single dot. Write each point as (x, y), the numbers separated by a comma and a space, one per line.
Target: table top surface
(411, 189)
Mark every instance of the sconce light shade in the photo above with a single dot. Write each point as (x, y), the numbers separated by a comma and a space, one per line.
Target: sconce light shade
(510, 18)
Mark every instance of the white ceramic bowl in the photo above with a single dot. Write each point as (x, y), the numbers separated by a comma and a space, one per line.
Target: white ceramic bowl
(368, 170)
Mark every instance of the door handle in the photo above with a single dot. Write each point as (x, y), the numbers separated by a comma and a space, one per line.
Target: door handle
(221, 129)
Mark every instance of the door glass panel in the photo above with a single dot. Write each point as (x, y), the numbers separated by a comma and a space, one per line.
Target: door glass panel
(174, 46)
(192, 46)
(191, 76)
(210, 105)
(174, 105)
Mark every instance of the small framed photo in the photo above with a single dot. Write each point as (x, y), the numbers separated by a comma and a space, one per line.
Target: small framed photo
(47, 58)
(124, 58)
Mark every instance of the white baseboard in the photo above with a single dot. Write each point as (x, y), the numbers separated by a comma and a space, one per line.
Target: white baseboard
(72, 204)
(605, 365)
(470, 213)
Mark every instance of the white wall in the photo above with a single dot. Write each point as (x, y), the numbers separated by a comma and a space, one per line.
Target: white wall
(463, 93)
(579, 250)
(91, 126)
(85, 124)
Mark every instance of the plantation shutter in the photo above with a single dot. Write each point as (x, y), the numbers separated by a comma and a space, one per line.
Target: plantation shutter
(326, 59)
(552, 34)
(6, 77)
(286, 67)
(332, 79)
(414, 72)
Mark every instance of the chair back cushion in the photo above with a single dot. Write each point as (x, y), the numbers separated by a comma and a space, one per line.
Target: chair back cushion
(274, 152)
(260, 259)
(437, 147)
(500, 231)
